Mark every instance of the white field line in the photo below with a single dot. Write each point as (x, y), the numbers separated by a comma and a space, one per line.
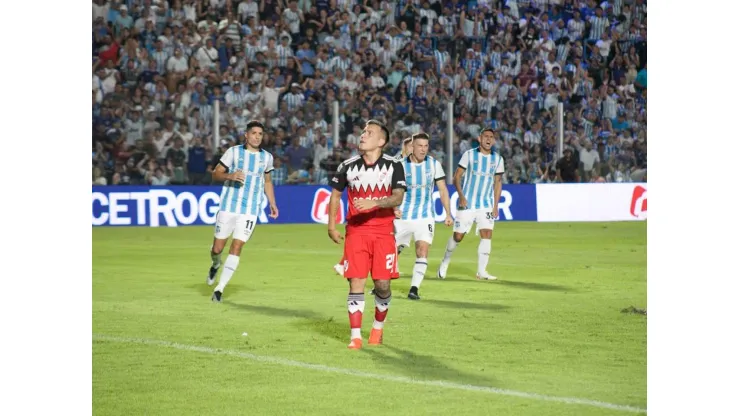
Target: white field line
(354, 373)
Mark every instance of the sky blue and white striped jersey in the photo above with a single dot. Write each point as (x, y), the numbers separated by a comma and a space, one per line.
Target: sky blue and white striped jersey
(480, 171)
(247, 198)
(420, 179)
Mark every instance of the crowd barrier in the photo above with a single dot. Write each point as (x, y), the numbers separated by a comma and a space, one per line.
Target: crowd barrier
(173, 206)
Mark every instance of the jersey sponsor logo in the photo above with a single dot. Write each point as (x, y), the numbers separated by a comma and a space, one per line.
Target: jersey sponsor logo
(372, 198)
(320, 207)
(638, 205)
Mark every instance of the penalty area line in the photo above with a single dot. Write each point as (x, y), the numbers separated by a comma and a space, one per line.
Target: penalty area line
(338, 370)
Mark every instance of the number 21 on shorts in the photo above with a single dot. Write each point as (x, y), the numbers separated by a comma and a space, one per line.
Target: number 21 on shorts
(390, 261)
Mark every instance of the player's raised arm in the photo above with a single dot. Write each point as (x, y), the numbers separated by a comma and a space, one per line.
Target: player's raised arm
(498, 185)
(221, 172)
(270, 189)
(444, 195)
(338, 183)
(461, 167)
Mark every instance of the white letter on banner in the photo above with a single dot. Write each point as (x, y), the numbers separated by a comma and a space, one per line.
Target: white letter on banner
(208, 214)
(439, 216)
(505, 204)
(116, 208)
(180, 212)
(167, 209)
(103, 218)
(453, 204)
(140, 198)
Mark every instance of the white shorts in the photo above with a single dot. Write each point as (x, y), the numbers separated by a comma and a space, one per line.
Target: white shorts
(421, 230)
(464, 220)
(240, 225)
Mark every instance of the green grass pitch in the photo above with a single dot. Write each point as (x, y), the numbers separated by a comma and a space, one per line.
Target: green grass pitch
(551, 327)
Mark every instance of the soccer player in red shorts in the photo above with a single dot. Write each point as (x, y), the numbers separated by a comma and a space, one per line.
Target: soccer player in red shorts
(375, 184)
(406, 150)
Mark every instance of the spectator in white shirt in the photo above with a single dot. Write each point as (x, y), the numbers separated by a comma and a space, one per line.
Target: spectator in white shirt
(589, 159)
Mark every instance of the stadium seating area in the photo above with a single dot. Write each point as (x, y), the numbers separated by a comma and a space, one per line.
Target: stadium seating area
(158, 67)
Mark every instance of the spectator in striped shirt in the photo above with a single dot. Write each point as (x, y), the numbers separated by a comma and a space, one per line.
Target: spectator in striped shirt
(176, 64)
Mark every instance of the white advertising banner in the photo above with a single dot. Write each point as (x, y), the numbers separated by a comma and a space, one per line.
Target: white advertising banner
(592, 202)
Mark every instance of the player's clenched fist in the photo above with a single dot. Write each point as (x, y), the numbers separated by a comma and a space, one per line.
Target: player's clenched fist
(449, 221)
(462, 202)
(335, 236)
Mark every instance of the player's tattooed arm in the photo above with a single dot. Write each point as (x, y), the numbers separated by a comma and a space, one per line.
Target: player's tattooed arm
(392, 201)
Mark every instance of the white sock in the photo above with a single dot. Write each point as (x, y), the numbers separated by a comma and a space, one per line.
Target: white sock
(381, 311)
(355, 333)
(419, 269)
(451, 246)
(216, 260)
(484, 251)
(355, 307)
(230, 266)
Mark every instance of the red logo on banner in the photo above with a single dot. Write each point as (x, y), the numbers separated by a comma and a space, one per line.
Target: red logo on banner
(320, 207)
(638, 207)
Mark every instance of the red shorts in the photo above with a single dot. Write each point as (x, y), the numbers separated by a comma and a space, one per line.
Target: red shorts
(373, 254)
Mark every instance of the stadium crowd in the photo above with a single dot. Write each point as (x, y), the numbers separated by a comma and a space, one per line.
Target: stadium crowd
(158, 67)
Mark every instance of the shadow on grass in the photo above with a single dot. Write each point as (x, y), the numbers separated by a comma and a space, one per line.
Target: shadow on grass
(534, 286)
(423, 367)
(456, 304)
(207, 291)
(386, 356)
(393, 359)
(328, 327)
(271, 311)
(470, 278)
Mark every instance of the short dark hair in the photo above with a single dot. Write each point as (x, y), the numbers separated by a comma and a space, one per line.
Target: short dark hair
(373, 122)
(488, 129)
(255, 123)
(422, 136)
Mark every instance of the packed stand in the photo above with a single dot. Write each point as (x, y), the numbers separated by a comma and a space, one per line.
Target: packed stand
(159, 67)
